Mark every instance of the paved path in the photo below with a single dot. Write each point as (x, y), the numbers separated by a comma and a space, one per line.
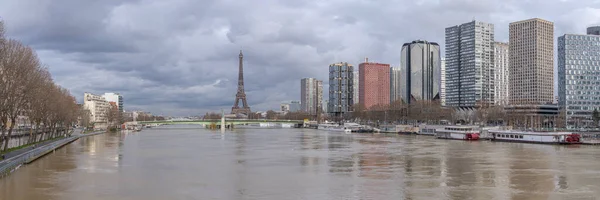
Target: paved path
(26, 149)
(76, 133)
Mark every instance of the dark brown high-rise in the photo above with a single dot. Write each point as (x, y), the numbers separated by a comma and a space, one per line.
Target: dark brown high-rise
(241, 95)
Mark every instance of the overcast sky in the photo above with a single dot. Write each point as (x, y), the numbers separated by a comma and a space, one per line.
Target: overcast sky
(179, 57)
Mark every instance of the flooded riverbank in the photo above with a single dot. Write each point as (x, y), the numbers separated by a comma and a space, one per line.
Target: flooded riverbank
(185, 162)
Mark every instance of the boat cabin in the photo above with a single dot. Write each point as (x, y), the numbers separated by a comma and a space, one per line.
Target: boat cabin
(536, 137)
(458, 133)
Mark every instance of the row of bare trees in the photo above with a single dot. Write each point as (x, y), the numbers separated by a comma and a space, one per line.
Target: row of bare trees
(397, 111)
(27, 89)
(430, 112)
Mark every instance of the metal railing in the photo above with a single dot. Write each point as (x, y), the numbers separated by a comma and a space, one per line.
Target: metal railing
(11, 164)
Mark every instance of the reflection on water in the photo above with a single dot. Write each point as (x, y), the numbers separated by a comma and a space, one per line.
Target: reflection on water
(184, 162)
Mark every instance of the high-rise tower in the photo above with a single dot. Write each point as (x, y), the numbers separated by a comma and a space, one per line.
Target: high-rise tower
(531, 62)
(241, 95)
(470, 64)
(420, 72)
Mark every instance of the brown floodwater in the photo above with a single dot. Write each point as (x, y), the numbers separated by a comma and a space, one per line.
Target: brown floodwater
(186, 162)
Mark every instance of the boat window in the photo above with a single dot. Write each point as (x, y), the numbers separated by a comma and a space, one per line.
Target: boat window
(521, 136)
(512, 136)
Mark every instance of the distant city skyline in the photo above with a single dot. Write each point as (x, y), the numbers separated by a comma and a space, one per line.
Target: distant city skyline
(184, 68)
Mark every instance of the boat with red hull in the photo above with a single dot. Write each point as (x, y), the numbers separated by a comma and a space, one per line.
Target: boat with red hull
(535, 137)
(458, 133)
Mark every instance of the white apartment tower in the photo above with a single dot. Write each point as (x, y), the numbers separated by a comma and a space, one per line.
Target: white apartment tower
(395, 84)
(443, 81)
(98, 107)
(501, 73)
(311, 95)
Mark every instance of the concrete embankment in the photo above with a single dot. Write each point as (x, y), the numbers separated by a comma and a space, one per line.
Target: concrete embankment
(11, 164)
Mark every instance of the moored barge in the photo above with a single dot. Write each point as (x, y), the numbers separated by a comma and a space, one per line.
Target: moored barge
(458, 133)
(536, 137)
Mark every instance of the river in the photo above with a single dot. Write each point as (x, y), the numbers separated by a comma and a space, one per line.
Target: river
(186, 162)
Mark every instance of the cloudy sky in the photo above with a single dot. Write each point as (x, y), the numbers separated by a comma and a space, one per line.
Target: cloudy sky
(179, 57)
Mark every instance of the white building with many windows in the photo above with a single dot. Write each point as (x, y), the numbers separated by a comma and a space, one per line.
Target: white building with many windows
(501, 73)
(98, 108)
(443, 81)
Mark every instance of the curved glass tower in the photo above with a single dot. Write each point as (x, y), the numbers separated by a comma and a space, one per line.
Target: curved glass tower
(420, 71)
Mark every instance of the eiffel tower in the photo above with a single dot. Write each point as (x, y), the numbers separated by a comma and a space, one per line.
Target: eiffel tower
(241, 95)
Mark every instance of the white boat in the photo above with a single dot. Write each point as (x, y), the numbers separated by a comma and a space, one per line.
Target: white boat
(425, 129)
(536, 137)
(353, 127)
(334, 127)
(458, 133)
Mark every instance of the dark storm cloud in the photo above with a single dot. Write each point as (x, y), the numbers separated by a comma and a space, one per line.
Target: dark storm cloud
(180, 57)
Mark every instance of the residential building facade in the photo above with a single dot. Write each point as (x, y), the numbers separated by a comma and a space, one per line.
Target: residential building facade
(341, 89)
(579, 78)
(355, 89)
(285, 107)
(98, 108)
(395, 84)
(311, 94)
(443, 82)
(531, 62)
(501, 73)
(469, 64)
(420, 72)
(374, 84)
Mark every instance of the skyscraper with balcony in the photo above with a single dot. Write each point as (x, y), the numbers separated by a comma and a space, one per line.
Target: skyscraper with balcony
(341, 89)
(374, 88)
(579, 77)
(311, 95)
(469, 64)
(395, 84)
(531, 50)
(501, 73)
(420, 71)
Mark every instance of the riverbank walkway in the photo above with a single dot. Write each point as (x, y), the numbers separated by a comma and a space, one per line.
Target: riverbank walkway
(14, 159)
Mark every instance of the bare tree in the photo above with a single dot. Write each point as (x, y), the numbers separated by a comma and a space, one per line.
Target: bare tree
(113, 115)
(212, 115)
(271, 114)
(21, 65)
(26, 88)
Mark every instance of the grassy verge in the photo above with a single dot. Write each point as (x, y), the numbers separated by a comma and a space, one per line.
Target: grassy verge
(27, 145)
